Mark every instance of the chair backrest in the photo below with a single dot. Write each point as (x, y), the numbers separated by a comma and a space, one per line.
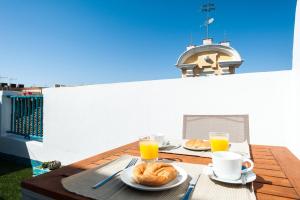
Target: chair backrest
(199, 126)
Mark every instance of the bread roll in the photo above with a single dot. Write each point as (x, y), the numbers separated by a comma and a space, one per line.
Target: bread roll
(154, 174)
(196, 143)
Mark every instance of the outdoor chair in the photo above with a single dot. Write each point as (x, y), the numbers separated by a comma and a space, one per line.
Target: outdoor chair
(199, 126)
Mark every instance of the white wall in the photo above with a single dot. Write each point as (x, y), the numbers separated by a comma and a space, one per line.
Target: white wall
(83, 121)
(294, 108)
(296, 46)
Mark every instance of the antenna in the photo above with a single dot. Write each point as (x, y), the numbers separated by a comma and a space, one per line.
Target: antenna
(208, 7)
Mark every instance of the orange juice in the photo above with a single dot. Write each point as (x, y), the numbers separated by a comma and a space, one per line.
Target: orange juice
(148, 150)
(219, 144)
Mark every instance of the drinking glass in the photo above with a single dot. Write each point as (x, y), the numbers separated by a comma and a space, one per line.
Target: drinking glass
(148, 149)
(219, 141)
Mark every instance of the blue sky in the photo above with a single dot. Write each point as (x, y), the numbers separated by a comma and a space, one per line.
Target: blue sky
(43, 42)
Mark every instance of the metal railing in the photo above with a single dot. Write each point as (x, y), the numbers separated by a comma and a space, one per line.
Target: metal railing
(27, 116)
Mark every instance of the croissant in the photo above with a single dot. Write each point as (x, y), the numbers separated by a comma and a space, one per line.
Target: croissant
(196, 143)
(154, 174)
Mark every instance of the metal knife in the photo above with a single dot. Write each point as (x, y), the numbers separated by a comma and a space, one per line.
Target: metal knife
(191, 187)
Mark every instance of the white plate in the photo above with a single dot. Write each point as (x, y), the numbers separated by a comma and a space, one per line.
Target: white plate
(250, 177)
(126, 177)
(165, 144)
(195, 149)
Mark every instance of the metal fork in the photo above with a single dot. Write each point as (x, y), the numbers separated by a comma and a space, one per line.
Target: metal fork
(99, 184)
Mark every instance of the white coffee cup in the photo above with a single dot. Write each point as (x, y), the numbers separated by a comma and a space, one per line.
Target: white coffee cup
(228, 165)
(160, 139)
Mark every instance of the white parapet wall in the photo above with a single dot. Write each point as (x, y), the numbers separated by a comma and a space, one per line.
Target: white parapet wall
(83, 121)
(296, 46)
(294, 106)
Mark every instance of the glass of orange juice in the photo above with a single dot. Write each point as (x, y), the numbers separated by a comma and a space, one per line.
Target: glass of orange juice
(148, 149)
(219, 141)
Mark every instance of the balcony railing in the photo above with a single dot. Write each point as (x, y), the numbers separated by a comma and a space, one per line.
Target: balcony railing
(27, 116)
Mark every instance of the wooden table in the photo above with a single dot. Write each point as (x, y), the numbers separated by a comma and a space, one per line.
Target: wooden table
(277, 170)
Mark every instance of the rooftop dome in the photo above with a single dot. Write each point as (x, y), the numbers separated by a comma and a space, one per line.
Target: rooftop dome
(209, 59)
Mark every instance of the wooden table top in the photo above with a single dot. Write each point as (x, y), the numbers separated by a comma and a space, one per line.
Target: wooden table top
(277, 170)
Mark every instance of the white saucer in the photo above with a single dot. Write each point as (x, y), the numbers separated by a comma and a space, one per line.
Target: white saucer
(164, 144)
(126, 177)
(250, 177)
(168, 145)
